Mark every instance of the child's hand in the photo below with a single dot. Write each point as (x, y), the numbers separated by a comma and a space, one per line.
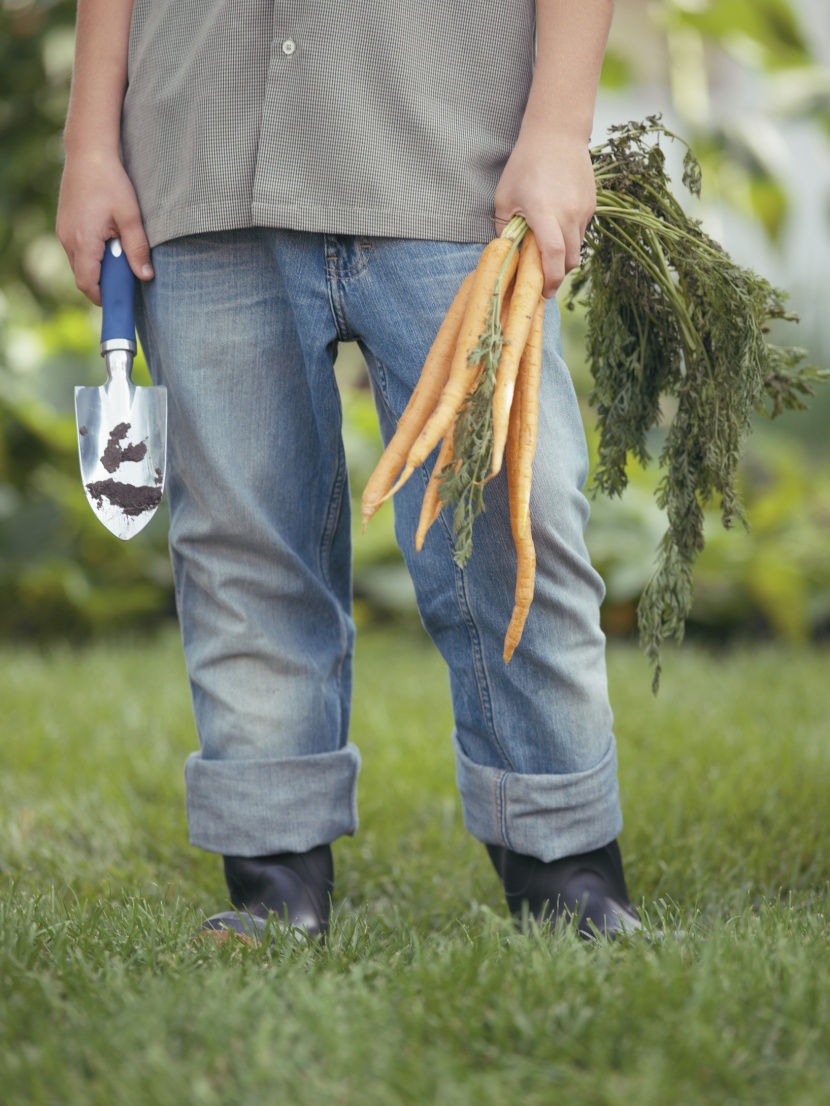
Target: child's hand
(97, 202)
(549, 180)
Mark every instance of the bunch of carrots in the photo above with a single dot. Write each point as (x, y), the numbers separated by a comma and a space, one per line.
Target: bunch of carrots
(668, 313)
(478, 396)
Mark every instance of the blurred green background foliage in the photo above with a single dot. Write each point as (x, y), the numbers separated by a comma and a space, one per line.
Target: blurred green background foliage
(734, 77)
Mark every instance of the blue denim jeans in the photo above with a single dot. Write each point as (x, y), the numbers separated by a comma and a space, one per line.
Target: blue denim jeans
(243, 328)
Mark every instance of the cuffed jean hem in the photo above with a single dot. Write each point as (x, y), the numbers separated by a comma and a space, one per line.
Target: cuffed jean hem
(260, 807)
(549, 816)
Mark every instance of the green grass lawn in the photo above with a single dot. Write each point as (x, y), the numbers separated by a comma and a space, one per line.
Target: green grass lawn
(425, 993)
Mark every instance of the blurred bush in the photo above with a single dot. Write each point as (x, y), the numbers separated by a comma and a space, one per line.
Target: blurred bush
(36, 47)
(738, 75)
(771, 578)
(61, 572)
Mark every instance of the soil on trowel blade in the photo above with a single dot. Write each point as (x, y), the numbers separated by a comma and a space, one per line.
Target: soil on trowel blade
(115, 454)
(131, 499)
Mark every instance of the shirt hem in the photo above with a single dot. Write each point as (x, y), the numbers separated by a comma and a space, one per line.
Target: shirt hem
(432, 225)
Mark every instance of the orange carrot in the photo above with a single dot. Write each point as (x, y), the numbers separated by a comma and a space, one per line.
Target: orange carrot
(526, 292)
(514, 438)
(506, 299)
(421, 403)
(527, 401)
(525, 559)
(432, 506)
(525, 579)
(462, 374)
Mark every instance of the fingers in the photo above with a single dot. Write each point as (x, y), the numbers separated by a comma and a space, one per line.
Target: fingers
(559, 247)
(560, 242)
(85, 260)
(85, 253)
(136, 246)
(559, 232)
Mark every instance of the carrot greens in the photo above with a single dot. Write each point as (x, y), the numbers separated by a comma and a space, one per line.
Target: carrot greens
(670, 314)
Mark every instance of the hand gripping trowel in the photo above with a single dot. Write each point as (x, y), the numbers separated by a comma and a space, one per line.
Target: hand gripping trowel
(122, 429)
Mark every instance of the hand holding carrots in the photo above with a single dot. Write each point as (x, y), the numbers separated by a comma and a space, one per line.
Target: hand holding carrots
(478, 396)
(549, 180)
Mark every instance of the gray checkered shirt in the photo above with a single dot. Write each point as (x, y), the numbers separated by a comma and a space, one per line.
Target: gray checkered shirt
(381, 117)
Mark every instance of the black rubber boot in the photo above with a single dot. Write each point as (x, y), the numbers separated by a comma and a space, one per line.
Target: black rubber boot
(589, 887)
(296, 887)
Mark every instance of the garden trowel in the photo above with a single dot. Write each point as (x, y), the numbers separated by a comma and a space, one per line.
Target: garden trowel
(122, 429)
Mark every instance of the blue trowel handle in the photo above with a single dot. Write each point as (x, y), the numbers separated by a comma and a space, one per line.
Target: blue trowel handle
(117, 289)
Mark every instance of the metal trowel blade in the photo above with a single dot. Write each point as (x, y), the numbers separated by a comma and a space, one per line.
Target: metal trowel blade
(122, 442)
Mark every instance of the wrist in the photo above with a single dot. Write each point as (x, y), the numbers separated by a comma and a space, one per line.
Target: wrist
(554, 127)
(91, 152)
(92, 135)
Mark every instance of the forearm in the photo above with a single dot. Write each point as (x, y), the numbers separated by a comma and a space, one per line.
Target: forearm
(97, 199)
(548, 177)
(99, 78)
(571, 40)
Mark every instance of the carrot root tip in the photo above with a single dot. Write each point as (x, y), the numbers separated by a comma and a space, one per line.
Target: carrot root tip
(402, 479)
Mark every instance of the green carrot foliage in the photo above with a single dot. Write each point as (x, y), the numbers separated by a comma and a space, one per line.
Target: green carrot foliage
(670, 314)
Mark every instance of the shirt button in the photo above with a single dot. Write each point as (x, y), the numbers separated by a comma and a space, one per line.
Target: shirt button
(289, 46)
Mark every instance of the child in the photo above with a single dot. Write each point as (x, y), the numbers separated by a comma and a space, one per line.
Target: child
(307, 173)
